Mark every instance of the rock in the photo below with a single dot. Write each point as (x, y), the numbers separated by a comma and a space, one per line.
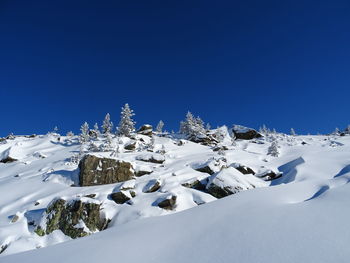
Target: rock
(243, 169)
(96, 171)
(90, 195)
(120, 197)
(146, 129)
(152, 186)
(130, 146)
(8, 159)
(211, 166)
(269, 175)
(3, 248)
(245, 133)
(169, 203)
(14, 218)
(142, 173)
(220, 148)
(151, 158)
(75, 218)
(230, 181)
(93, 134)
(196, 184)
(128, 185)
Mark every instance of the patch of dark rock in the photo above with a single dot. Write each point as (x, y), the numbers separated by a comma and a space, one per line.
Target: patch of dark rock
(8, 160)
(196, 184)
(220, 148)
(130, 146)
(120, 197)
(68, 216)
(90, 195)
(245, 133)
(169, 203)
(96, 171)
(269, 175)
(152, 186)
(146, 129)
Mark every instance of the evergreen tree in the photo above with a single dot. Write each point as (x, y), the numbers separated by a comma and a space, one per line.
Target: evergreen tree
(192, 127)
(273, 149)
(292, 132)
(160, 126)
(107, 125)
(84, 135)
(126, 124)
(97, 129)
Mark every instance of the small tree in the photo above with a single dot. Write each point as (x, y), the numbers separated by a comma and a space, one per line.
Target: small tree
(192, 127)
(160, 126)
(207, 127)
(292, 132)
(97, 129)
(107, 125)
(273, 149)
(126, 124)
(84, 135)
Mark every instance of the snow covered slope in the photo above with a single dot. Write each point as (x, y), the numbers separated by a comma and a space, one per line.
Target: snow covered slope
(300, 217)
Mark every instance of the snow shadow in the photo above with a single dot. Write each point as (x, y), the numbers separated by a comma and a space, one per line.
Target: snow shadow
(343, 171)
(318, 193)
(63, 176)
(288, 171)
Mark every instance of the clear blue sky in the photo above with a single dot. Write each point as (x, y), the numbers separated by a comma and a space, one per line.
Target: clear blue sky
(282, 63)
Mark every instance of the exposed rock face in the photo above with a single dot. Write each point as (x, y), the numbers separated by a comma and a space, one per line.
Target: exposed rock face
(269, 175)
(74, 218)
(196, 184)
(151, 158)
(230, 181)
(96, 171)
(120, 197)
(245, 133)
(152, 186)
(169, 203)
(130, 146)
(212, 166)
(243, 169)
(146, 129)
(8, 159)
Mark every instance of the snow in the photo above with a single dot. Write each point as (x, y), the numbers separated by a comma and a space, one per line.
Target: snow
(300, 217)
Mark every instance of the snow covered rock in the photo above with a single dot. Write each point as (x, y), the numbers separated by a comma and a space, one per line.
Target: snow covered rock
(75, 218)
(245, 133)
(151, 158)
(211, 166)
(230, 181)
(122, 196)
(96, 171)
(5, 156)
(269, 175)
(152, 186)
(196, 184)
(168, 203)
(243, 169)
(146, 129)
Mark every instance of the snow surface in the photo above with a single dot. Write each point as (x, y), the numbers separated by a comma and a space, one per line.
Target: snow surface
(301, 217)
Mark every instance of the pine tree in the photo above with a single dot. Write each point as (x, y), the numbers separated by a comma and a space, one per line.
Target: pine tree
(207, 127)
(107, 125)
(97, 129)
(84, 135)
(192, 127)
(273, 149)
(126, 124)
(160, 126)
(292, 132)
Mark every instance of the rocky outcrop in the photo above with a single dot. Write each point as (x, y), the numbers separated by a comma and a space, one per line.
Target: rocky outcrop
(245, 133)
(230, 181)
(146, 129)
(130, 146)
(8, 159)
(196, 184)
(75, 218)
(169, 203)
(96, 171)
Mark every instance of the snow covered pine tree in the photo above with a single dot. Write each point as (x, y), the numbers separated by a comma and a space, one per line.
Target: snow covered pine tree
(126, 124)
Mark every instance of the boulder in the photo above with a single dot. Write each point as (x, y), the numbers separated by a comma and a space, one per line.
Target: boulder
(245, 133)
(169, 203)
(196, 184)
(269, 175)
(75, 218)
(151, 158)
(243, 169)
(230, 181)
(152, 186)
(96, 171)
(8, 159)
(130, 146)
(120, 197)
(211, 166)
(146, 129)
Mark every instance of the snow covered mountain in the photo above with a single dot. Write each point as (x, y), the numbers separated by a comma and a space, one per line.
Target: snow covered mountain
(228, 195)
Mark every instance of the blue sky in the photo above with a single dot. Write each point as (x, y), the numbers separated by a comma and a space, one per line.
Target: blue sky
(280, 63)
